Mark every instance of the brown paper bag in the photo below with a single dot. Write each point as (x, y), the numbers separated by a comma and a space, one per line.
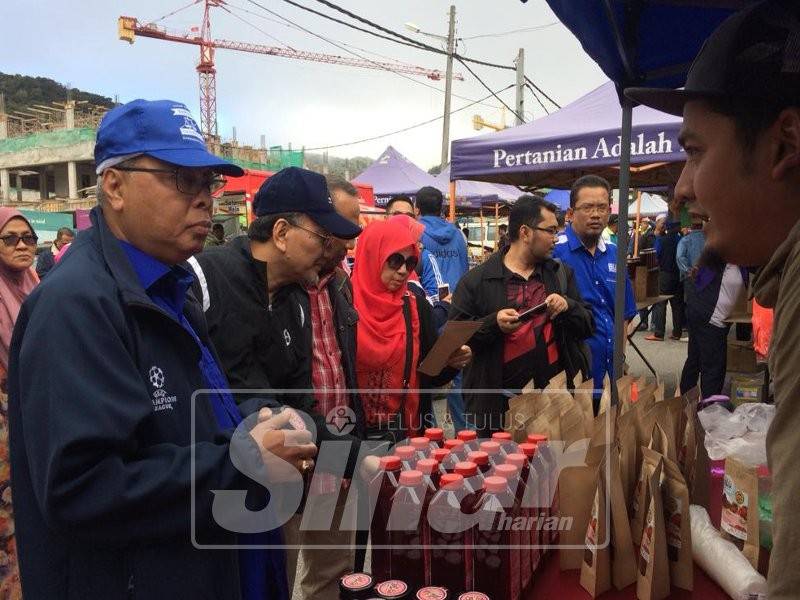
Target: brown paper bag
(604, 428)
(659, 441)
(624, 393)
(605, 398)
(652, 582)
(628, 444)
(547, 422)
(698, 480)
(669, 415)
(623, 555)
(558, 382)
(571, 426)
(584, 394)
(678, 527)
(650, 461)
(596, 566)
(576, 486)
(739, 520)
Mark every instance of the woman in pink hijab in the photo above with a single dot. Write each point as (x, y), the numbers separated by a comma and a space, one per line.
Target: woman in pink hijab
(17, 280)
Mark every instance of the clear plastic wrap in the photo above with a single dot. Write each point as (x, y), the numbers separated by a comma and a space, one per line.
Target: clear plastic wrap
(723, 561)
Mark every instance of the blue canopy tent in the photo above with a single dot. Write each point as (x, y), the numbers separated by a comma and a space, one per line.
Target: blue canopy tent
(640, 43)
(558, 197)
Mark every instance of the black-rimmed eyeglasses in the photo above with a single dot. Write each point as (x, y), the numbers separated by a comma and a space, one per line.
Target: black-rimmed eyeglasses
(187, 180)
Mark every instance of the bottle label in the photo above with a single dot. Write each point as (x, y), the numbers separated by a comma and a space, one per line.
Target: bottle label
(735, 507)
(356, 581)
(646, 551)
(393, 587)
(673, 508)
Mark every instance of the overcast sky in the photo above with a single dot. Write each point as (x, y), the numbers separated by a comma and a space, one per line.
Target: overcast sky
(307, 104)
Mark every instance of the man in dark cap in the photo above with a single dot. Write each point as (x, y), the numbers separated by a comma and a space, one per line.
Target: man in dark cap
(741, 133)
(118, 463)
(258, 322)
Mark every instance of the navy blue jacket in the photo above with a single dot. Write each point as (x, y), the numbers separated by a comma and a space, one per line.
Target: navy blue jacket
(101, 480)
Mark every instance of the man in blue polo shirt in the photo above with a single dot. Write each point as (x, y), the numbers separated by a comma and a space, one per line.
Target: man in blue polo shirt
(594, 262)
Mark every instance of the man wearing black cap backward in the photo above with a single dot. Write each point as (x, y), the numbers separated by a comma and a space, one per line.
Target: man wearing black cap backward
(262, 326)
(741, 133)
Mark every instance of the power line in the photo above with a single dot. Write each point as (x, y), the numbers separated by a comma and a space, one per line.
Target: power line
(503, 33)
(539, 100)
(428, 122)
(538, 89)
(256, 27)
(475, 75)
(340, 46)
(176, 11)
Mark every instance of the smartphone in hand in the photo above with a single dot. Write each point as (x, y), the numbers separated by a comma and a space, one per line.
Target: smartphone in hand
(531, 312)
(444, 291)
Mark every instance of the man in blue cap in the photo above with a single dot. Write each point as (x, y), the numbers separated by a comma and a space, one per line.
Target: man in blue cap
(117, 462)
(258, 322)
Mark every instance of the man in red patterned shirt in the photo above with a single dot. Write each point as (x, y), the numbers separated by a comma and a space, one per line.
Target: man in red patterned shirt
(330, 342)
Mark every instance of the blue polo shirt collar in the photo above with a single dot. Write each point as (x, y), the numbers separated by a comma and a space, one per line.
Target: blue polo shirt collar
(575, 242)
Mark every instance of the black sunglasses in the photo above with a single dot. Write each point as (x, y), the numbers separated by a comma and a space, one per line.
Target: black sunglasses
(397, 260)
(187, 180)
(12, 239)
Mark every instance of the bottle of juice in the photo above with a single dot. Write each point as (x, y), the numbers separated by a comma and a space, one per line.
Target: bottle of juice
(423, 447)
(496, 561)
(429, 467)
(470, 439)
(473, 482)
(450, 554)
(407, 455)
(355, 586)
(447, 462)
(393, 589)
(405, 529)
(549, 458)
(457, 448)
(530, 534)
(507, 444)
(535, 499)
(492, 448)
(435, 435)
(480, 458)
(520, 533)
(383, 487)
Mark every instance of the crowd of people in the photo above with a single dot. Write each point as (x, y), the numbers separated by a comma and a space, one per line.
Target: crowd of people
(158, 367)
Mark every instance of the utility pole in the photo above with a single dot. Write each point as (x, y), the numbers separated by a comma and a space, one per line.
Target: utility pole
(520, 105)
(448, 86)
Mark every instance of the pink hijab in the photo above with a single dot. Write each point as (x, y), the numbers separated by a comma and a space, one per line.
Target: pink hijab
(14, 288)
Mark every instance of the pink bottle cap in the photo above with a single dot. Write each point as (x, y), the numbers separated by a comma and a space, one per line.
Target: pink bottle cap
(455, 444)
(411, 478)
(518, 460)
(528, 449)
(390, 463)
(405, 452)
(479, 457)
(467, 435)
(467, 469)
(501, 436)
(451, 481)
(420, 443)
(536, 438)
(507, 471)
(440, 454)
(491, 448)
(434, 433)
(427, 465)
(493, 484)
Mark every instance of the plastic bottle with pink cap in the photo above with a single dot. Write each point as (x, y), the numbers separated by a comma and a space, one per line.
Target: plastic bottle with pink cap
(449, 529)
(520, 537)
(382, 487)
(470, 439)
(496, 561)
(422, 446)
(435, 435)
(534, 498)
(407, 455)
(492, 448)
(506, 441)
(405, 528)
(551, 464)
(457, 448)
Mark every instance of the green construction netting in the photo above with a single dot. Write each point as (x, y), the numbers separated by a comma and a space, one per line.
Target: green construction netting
(277, 160)
(48, 139)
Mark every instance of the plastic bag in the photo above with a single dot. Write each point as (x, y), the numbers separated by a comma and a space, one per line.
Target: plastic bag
(756, 416)
(722, 560)
(720, 423)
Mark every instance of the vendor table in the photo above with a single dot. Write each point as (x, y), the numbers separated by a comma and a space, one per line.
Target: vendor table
(646, 303)
(550, 583)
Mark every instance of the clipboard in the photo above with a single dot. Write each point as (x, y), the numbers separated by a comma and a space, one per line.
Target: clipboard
(454, 335)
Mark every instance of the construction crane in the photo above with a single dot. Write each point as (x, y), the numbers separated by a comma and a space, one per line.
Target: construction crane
(129, 28)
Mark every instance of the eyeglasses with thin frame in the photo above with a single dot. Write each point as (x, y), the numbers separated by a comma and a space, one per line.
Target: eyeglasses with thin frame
(590, 208)
(397, 260)
(327, 240)
(550, 230)
(188, 181)
(12, 239)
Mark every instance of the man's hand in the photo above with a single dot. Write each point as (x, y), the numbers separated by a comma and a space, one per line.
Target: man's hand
(278, 444)
(508, 320)
(556, 305)
(460, 358)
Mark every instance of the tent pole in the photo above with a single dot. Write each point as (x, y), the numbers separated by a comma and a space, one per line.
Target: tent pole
(638, 222)
(496, 225)
(622, 246)
(453, 201)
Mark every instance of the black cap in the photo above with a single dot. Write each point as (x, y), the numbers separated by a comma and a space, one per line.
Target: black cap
(302, 191)
(754, 53)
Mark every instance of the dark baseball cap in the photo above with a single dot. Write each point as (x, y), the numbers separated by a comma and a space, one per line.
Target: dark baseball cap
(163, 129)
(302, 191)
(754, 53)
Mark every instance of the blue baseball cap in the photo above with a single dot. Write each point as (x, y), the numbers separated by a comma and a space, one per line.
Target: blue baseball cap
(302, 191)
(163, 129)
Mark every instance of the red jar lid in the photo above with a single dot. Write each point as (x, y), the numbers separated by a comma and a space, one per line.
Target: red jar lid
(467, 435)
(491, 448)
(434, 433)
(426, 466)
(536, 438)
(454, 444)
(390, 463)
(440, 454)
(420, 443)
(528, 449)
(479, 457)
(501, 436)
(518, 460)
(411, 478)
(494, 484)
(451, 481)
(467, 468)
(405, 452)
